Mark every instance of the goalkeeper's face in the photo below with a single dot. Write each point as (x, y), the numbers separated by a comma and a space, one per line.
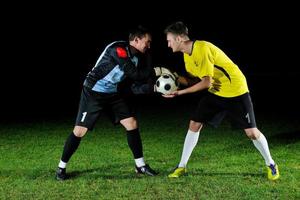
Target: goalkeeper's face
(173, 42)
(142, 44)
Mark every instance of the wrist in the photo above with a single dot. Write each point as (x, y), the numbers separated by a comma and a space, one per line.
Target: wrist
(181, 92)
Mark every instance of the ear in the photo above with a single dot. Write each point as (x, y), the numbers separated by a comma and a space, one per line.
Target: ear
(136, 39)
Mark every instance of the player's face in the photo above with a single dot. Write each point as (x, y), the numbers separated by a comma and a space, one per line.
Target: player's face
(173, 42)
(142, 44)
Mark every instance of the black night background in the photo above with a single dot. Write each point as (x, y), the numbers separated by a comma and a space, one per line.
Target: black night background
(49, 50)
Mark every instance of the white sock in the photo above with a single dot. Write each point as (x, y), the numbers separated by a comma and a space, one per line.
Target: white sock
(139, 162)
(62, 164)
(262, 145)
(190, 142)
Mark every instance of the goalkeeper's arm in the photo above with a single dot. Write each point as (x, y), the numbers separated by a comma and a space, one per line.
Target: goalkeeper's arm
(145, 88)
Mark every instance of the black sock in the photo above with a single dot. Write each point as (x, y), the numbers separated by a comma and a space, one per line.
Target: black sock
(70, 147)
(135, 143)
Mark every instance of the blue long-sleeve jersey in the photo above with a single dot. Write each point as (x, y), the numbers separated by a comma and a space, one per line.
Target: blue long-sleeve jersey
(115, 64)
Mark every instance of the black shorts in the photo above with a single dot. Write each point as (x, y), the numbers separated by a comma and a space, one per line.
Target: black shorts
(92, 104)
(212, 109)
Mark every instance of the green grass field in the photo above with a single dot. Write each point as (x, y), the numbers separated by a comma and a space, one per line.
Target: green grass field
(224, 165)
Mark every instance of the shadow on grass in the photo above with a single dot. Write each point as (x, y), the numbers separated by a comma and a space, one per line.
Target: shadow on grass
(115, 173)
(224, 174)
(286, 137)
(106, 172)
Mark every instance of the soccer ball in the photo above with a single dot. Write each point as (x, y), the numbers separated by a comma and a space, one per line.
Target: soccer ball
(166, 83)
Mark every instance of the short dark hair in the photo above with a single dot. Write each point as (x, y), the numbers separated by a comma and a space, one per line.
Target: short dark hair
(140, 32)
(177, 28)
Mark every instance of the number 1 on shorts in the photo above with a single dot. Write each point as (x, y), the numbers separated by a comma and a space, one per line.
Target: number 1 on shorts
(83, 116)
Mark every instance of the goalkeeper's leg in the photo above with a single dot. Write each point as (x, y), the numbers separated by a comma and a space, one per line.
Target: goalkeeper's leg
(70, 147)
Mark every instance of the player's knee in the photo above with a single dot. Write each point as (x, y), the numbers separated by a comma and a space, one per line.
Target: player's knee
(252, 133)
(80, 131)
(129, 123)
(195, 126)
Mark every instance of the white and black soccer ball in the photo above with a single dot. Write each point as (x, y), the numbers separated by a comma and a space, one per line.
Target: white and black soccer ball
(166, 83)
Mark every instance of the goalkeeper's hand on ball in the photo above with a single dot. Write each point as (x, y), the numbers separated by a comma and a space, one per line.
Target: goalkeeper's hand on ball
(154, 88)
(162, 70)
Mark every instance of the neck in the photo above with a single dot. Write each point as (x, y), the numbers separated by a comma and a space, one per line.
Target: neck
(187, 47)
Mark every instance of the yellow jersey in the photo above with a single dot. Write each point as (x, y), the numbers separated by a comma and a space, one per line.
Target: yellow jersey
(208, 60)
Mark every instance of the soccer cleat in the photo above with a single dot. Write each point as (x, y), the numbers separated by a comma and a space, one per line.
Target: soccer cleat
(145, 170)
(179, 171)
(273, 172)
(61, 174)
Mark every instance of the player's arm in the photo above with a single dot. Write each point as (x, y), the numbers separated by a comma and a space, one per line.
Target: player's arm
(135, 73)
(146, 86)
(187, 81)
(205, 83)
(130, 70)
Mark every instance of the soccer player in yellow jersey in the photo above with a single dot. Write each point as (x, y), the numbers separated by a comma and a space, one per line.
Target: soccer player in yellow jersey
(227, 93)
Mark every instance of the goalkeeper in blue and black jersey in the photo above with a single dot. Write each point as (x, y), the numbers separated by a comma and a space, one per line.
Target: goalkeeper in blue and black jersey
(120, 61)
